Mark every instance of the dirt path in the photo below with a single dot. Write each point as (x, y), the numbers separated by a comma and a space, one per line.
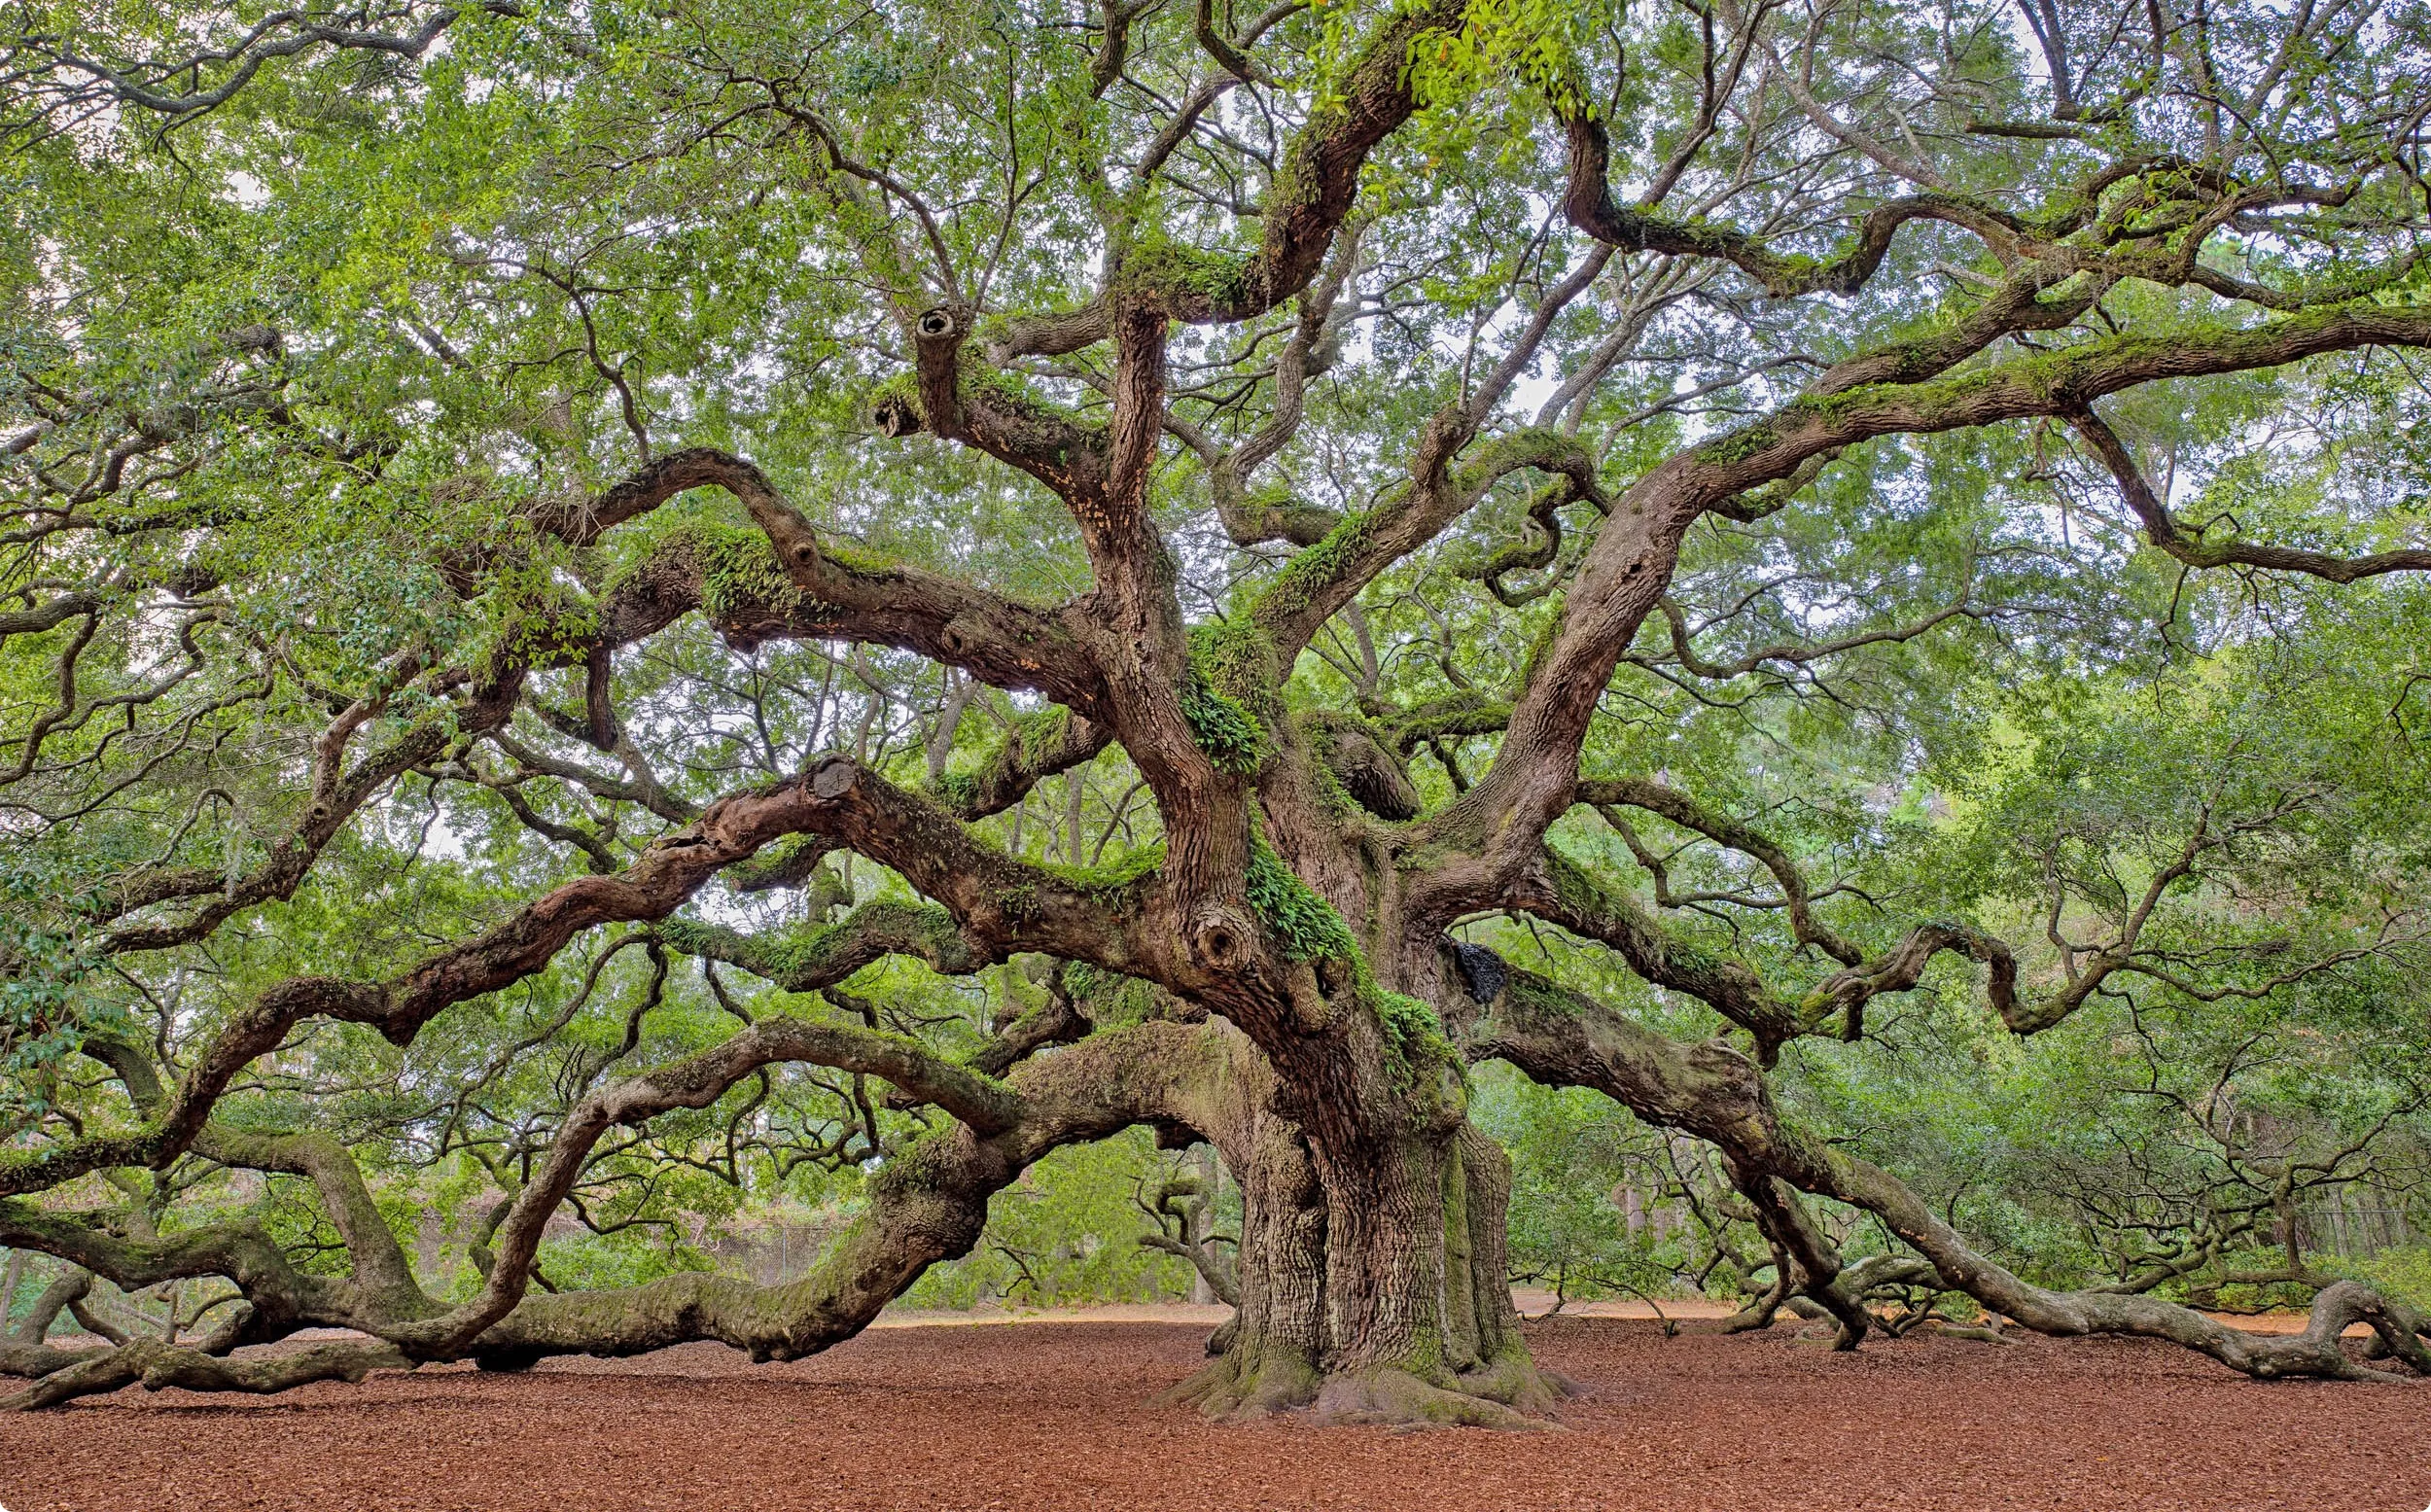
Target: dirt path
(1049, 1418)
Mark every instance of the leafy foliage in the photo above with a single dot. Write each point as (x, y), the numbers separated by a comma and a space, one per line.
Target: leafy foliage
(347, 632)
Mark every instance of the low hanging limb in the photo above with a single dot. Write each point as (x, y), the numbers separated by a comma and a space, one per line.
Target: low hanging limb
(928, 1204)
(1561, 1037)
(837, 797)
(23, 1351)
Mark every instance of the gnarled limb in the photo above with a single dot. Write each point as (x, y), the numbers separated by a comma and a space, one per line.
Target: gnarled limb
(1564, 1038)
(2163, 530)
(1588, 203)
(282, 1297)
(1001, 1131)
(1313, 191)
(2315, 1351)
(173, 85)
(1018, 905)
(339, 793)
(803, 590)
(157, 1365)
(1562, 892)
(22, 1350)
(1032, 750)
(1678, 808)
(929, 1205)
(1445, 482)
(1495, 825)
(825, 955)
(379, 1265)
(1185, 1202)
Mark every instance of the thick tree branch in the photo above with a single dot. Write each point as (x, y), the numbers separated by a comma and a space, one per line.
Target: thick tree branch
(804, 590)
(2164, 531)
(1564, 893)
(1684, 811)
(1624, 574)
(1564, 1038)
(1015, 905)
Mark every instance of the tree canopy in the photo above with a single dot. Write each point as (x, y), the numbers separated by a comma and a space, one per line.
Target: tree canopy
(622, 618)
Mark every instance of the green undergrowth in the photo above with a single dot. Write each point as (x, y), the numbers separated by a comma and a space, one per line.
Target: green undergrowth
(2403, 1272)
(1155, 262)
(1230, 735)
(535, 617)
(1039, 733)
(1739, 445)
(1032, 738)
(960, 789)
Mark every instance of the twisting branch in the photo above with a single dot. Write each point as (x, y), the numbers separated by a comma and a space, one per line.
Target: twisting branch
(1680, 809)
(2163, 530)
(1564, 893)
(1561, 1037)
(825, 955)
(1624, 574)
(927, 1205)
(34, 59)
(1313, 191)
(1010, 904)
(802, 590)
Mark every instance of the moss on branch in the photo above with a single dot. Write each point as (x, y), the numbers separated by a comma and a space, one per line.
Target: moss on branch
(1227, 694)
(1305, 925)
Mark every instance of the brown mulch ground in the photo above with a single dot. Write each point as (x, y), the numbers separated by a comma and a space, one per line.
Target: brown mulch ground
(1055, 1416)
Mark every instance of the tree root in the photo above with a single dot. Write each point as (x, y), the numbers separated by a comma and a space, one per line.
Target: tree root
(1235, 1390)
(1948, 1330)
(1219, 1342)
(1400, 1399)
(1518, 1382)
(1511, 1391)
(33, 1361)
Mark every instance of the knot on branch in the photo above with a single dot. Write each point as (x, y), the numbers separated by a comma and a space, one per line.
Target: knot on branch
(898, 416)
(1482, 972)
(1368, 771)
(943, 323)
(961, 635)
(833, 777)
(1221, 937)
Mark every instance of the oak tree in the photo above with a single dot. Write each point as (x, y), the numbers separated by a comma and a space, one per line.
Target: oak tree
(572, 570)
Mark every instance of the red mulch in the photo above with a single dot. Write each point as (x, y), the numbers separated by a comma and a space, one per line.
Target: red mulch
(1056, 1416)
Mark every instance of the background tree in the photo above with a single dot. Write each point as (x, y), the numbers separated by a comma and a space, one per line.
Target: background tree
(1169, 567)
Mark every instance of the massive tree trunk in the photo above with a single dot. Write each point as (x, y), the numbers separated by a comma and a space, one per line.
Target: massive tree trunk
(1269, 1355)
(1417, 1300)
(1373, 1285)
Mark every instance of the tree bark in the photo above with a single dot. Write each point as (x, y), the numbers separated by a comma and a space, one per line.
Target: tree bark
(1374, 1270)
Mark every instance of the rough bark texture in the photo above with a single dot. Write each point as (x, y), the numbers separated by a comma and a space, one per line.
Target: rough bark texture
(1310, 1019)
